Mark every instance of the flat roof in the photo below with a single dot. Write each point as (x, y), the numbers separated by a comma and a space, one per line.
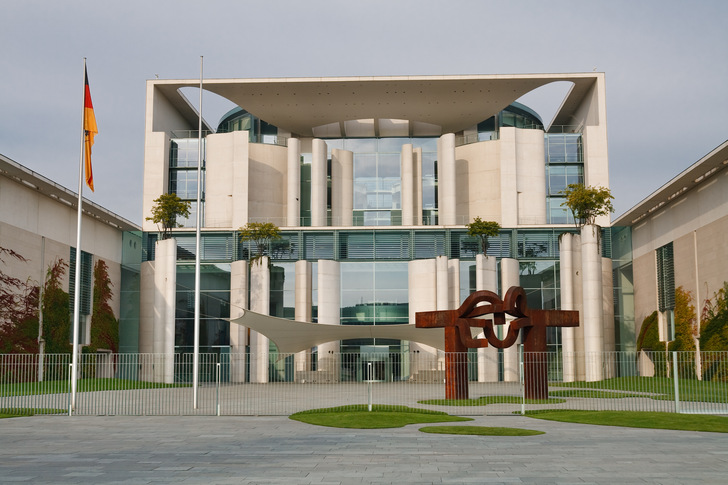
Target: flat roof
(23, 175)
(690, 178)
(453, 103)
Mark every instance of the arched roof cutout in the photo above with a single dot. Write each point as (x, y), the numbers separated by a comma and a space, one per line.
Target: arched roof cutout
(547, 99)
(214, 106)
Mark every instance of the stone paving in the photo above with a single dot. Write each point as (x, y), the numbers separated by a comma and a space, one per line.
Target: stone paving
(247, 450)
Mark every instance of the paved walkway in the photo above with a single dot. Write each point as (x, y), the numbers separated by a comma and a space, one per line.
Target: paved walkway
(242, 450)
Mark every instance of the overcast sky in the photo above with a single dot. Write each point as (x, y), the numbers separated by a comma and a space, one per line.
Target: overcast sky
(666, 65)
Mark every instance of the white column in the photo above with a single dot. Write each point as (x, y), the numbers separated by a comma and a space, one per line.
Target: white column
(443, 290)
(293, 195)
(453, 283)
(510, 277)
(566, 281)
(259, 303)
(486, 278)
(238, 333)
(165, 296)
(304, 300)
(329, 313)
(318, 182)
(446, 182)
(593, 317)
(407, 186)
(417, 177)
(422, 283)
(342, 187)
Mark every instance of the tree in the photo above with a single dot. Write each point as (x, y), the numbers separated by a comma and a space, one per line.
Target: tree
(483, 230)
(18, 310)
(166, 209)
(104, 326)
(587, 203)
(56, 314)
(260, 234)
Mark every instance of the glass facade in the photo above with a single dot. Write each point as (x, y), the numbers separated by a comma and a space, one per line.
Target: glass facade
(564, 166)
(183, 156)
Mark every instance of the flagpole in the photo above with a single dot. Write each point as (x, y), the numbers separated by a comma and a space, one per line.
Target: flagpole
(196, 349)
(77, 276)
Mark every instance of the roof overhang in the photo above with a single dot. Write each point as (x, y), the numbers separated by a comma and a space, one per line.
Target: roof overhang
(690, 178)
(452, 103)
(35, 181)
(291, 336)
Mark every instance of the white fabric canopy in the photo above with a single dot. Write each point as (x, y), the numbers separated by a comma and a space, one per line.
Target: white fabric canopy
(291, 336)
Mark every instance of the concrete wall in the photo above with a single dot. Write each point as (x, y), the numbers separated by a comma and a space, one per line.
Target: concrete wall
(696, 224)
(479, 181)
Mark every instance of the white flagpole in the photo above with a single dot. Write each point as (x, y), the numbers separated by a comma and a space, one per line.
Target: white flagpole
(196, 350)
(77, 278)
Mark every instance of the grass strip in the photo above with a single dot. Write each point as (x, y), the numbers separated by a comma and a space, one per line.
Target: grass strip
(480, 431)
(381, 416)
(664, 388)
(637, 419)
(18, 412)
(485, 400)
(596, 394)
(84, 385)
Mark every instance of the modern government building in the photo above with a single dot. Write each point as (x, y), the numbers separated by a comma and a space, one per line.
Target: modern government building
(372, 181)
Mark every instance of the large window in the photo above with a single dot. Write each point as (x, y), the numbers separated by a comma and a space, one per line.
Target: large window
(374, 293)
(183, 175)
(564, 166)
(666, 290)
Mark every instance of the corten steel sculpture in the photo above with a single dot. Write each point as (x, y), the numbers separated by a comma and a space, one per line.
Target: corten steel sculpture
(458, 337)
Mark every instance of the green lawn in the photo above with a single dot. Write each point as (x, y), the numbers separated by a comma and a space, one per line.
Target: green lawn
(637, 419)
(485, 400)
(84, 385)
(661, 387)
(18, 412)
(596, 394)
(480, 431)
(381, 416)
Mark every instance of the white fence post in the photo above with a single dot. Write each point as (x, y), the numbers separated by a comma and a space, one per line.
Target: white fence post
(676, 382)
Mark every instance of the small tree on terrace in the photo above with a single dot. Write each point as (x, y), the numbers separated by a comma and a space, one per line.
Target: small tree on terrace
(587, 203)
(483, 230)
(166, 209)
(260, 234)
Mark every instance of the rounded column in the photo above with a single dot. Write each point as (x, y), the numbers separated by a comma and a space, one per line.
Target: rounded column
(592, 316)
(486, 278)
(303, 303)
(407, 187)
(259, 303)
(318, 183)
(293, 195)
(447, 180)
(509, 277)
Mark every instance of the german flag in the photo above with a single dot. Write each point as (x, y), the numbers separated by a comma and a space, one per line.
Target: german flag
(89, 129)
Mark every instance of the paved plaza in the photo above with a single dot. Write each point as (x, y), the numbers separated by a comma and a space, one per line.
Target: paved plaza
(242, 450)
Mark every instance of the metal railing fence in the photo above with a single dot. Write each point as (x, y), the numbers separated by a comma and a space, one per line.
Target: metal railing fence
(278, 384)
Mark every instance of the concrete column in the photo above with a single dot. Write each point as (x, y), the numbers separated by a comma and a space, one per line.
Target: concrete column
(446, 182)
(510, 271)
(259, 303)
(422, 283)
(610, 363)
(408, 188)
(342, 187)
(318, 182)
(567, 273)
(486, 278)
(329, 313)
(453, 282)
(592, 294)
(238, 333)
(303, 304)
(530, 177)
(147, 311)
(417, 178)
(293, 195)
(165, 296)
(443, 290)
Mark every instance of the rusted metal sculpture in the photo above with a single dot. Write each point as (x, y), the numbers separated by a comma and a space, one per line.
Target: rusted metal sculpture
(458, 336)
